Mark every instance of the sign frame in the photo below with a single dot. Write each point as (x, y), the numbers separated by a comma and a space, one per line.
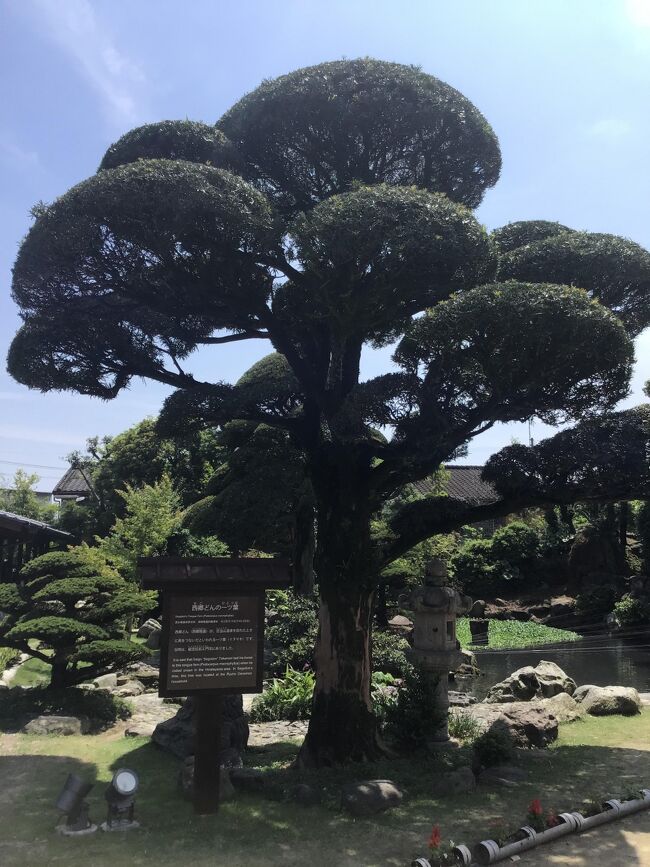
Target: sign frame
(257, 595)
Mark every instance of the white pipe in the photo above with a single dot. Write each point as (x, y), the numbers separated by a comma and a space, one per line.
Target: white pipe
(489, 852)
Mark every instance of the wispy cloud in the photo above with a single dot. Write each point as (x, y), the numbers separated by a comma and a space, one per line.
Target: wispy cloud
(78, 31)
(15, 155)
(40, 434)
(610, 128)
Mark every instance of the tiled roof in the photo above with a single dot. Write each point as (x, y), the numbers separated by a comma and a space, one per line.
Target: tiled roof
(73, 484)
(17, 525)
(464, 484)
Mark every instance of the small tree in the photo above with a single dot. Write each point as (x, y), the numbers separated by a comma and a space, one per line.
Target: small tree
(21, 498)
(75, 606)
(152, 516)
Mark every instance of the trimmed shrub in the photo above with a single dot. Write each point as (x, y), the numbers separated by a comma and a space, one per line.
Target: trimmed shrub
(494, 747)
(631, 611)
(102, 708)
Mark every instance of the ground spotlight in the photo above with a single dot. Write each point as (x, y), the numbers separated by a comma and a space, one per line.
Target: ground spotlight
(120, 796)
(71, 802)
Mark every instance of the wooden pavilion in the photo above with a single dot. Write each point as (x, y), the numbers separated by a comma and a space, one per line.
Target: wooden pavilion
(21, 539)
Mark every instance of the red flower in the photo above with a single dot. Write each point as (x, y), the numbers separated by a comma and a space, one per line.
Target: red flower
(435, 838)
(552, 820)
(535, 808)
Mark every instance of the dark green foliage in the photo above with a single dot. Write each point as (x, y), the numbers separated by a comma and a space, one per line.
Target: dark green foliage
(415, 717)
(602, 458)
(312, 133)
(643, 532)
(292, 630)
(166, 214)
(64, 621)
(494, 747)
(475, 569)
(256, 497)
(287, 698)
(388, 653)
(631, 611)
(522, 232)
(102, 708)
(596, 602)
(612, 269)
(483, 347)
(335, 235)
(187, 140)
(403, 248)
(517, 542)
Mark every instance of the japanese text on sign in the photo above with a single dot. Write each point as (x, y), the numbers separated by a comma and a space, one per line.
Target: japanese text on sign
(213, 642)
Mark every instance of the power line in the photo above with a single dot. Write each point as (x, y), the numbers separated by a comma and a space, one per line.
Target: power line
(25, 464)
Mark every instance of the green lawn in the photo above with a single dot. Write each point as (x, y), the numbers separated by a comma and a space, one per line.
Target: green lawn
(514, 633)
(592, 758)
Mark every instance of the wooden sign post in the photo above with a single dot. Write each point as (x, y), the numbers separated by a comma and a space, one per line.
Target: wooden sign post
(212, 642)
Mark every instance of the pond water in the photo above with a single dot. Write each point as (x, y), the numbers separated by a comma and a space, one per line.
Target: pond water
(601, 660)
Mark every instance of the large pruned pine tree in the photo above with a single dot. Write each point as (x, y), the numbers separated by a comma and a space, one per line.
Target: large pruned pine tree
(328, 210)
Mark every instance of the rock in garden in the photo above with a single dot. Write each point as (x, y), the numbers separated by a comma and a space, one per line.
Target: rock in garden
(553, 680)
(176, 735)
(370, 797)
(605, 700)
(148, 627)
(458, 782)
(129, 689)
(546, 679)
(305, 795)
(186, 781)
(56, 725)
(147, 674)
(563, 706)
(521, 685)
(153, 640)
(529, 724)
(106, 681)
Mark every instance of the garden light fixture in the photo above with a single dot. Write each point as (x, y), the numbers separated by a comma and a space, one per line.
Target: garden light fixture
(71, 802)
(120, 796)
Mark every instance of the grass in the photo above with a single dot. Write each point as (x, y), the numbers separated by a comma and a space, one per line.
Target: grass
(597, 757)
(7, 657)
(33, 672)
(507, 634)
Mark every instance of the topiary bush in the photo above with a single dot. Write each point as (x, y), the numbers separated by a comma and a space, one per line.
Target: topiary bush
(494, 747)
(102, 708)
(70, 611)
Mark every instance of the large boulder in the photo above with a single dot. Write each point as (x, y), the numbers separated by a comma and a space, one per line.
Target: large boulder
(176, 735)
(563, 706)
(148, 627)
(552, 680)
(528, 723)
(521, 685)
(606, 700)
(370, 796)
(56, 725)
(545, 680)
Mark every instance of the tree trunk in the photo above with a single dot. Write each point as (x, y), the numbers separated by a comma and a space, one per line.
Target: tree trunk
(342, 727)
(58, 678)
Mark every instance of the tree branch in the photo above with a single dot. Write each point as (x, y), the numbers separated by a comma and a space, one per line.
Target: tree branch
(232, 338)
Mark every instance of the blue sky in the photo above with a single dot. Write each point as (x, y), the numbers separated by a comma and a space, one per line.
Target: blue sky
(564, 84)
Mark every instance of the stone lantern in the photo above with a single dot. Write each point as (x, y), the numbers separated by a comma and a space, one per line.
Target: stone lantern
(436, 650)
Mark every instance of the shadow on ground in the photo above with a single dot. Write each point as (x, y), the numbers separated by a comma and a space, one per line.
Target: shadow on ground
(255, 827)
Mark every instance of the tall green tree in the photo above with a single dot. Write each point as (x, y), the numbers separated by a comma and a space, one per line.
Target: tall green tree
(328, 210)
